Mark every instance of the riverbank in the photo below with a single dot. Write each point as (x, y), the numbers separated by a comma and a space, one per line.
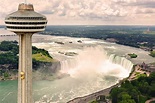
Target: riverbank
(43, 71)
(93, 96)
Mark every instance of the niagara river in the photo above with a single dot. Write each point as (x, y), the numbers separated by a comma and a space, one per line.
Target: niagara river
(91, 64)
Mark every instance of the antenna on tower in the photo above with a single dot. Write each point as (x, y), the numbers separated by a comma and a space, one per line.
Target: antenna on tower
(25, 1)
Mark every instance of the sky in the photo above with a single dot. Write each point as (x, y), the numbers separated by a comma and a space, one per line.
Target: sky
(88, 12)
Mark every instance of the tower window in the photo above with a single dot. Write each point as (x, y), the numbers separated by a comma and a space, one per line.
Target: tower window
(26, 23)
(14, 27)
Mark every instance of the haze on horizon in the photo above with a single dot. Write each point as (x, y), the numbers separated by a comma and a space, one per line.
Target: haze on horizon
(88, 12)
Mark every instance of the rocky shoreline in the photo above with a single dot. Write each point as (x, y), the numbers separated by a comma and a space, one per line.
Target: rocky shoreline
(43, 71)
(93, 96)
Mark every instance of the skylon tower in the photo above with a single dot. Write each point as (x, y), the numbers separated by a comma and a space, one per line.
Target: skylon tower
(25, 22)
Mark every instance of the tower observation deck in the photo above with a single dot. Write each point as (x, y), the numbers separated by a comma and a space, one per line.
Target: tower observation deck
(25, 22)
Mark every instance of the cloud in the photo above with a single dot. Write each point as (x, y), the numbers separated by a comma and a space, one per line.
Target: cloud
(145, 11)
(82, 10)
(144, 3)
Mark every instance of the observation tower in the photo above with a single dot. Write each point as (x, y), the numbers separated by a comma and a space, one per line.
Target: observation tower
(25, 22)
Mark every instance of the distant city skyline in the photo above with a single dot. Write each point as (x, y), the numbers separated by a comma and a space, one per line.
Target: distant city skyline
(88, 12)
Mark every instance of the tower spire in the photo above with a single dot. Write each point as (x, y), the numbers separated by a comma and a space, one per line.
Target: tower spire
(25, 1)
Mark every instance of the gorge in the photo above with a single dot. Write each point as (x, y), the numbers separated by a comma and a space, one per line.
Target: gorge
(97, 65)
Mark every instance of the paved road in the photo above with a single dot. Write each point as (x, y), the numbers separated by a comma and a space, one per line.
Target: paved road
(150, 100)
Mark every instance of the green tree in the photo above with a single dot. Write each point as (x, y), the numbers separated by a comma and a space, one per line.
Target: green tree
(143, 87)
(152, 53)
(127, 101)
(6, 75)
(134, 93)
(94, 102)
(115, 92)
(124, 97)
(152, 89)
(127, 85)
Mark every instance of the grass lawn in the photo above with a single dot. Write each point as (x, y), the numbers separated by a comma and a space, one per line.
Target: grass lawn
(41, 57)
(150, 32)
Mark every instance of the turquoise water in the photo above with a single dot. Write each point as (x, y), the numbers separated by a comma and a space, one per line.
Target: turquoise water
(8, 91)
(58, 91)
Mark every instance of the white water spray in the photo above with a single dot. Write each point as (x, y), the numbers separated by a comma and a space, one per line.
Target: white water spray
(94, 61)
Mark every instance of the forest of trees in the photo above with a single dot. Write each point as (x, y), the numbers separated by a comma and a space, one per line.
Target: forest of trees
(9, 53)
(136, 91)
(125, 35)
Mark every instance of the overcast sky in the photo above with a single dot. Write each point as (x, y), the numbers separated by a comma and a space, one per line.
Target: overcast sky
(88, 12)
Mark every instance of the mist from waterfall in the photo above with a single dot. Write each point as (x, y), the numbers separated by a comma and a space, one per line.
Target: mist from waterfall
(93, 62)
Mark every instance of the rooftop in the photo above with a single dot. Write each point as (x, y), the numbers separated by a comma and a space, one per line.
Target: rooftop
(25, 10)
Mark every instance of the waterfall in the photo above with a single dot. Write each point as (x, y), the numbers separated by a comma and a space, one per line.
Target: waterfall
(125, 63)
(94, 61)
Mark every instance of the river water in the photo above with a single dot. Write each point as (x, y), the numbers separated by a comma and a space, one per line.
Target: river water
(93, 66)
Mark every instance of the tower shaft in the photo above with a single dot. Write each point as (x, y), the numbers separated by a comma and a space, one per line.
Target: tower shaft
(25, 68)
